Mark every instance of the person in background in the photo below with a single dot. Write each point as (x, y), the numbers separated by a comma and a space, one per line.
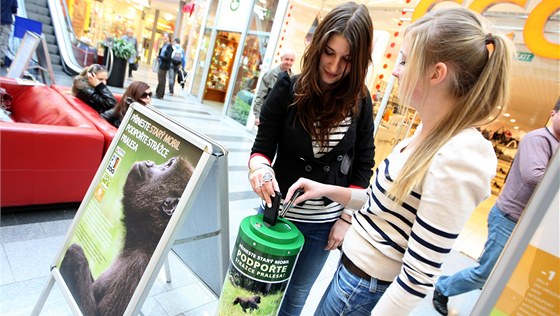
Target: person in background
(129, 38)
(9, 8)
(455, 73)
(528, 168)
(90, 86)
(177, 62)
(287, 59)
(164, 59)
(319, 125)
(137, 91)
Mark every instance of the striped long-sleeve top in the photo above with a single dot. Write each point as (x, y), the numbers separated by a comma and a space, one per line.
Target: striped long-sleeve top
(407, 243)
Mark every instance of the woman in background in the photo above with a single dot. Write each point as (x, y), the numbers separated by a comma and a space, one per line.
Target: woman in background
(90, 86)
(137, 91)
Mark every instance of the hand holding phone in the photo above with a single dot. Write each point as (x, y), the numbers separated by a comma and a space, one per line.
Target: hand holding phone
(291, 202)
(270, 214)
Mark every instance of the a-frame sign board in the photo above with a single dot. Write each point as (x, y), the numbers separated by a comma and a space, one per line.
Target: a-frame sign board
(129, 218)
(32, 43)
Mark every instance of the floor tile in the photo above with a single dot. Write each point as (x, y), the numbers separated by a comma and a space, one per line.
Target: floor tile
(6, 275)
(183, 299)
(21, 232)
(56, 228)
(152, 308)
(204, 310)
(32, 258)
(238, 182)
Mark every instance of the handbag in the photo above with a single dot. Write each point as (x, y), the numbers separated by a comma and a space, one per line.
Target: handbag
(155, 65)
(134, 65)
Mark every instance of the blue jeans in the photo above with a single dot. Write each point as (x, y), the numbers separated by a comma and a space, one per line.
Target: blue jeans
(172, 74)
(348, 294)
(309, 264)
(499, 230)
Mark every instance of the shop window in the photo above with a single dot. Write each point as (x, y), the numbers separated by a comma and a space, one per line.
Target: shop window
(247, 77)
(221, 65)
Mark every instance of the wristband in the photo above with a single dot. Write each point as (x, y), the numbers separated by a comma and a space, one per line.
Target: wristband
(260, 166)
(344, 220)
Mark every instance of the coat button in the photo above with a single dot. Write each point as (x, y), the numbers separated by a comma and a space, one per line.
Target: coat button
(340, 157)
(326, 168)
(308, 168)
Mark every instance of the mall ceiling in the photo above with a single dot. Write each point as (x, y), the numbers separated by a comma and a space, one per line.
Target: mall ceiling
(536, 83)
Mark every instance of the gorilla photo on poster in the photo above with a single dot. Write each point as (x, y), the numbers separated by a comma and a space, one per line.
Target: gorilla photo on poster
(150, 195)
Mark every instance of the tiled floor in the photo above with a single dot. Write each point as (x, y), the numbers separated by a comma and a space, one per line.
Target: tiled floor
(30, 241)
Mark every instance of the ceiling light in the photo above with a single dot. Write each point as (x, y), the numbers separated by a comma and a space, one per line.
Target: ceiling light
(507, 114)
(516, 127)
(512, 120)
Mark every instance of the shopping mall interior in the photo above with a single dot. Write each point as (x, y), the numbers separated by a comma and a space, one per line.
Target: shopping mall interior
(229, 45)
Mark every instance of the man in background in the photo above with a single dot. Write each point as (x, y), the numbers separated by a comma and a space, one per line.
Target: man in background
(9, 8)
(177, 62)
(129, 38)
(269, 79)
(528, 168)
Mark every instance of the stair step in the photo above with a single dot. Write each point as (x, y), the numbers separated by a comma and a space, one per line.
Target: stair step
(55, 59)
(45, 19)
(50, 38)
(34, 8)
(41, 3)
(53, 49)
(48, 30)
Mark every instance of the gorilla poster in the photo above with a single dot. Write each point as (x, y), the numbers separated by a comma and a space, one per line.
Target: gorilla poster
(138, 190)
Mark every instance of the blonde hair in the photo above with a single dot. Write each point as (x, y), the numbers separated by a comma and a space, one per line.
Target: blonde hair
(480, 66)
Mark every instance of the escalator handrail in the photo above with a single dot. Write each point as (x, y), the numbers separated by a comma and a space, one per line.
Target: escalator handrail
(109, 61)
(69, 63)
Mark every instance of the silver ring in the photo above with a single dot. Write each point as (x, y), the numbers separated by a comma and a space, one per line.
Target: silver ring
(267, 177)
(260, 184)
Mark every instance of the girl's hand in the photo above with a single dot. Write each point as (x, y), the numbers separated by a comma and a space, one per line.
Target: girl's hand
(263, 182)
(311, 190)
(336, 236)
(92, 79)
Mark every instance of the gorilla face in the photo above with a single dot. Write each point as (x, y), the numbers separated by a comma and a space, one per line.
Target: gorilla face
(152, 192)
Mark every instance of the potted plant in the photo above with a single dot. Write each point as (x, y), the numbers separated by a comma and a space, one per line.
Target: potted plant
(122, 51)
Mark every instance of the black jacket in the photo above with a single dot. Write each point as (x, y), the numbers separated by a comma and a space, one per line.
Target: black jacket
(165, 60)
(112, 117)
(99, 98)
(283, 140)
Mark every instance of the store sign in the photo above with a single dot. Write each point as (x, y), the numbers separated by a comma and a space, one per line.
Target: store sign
(230, 13)
(533, 30)
(525, 56)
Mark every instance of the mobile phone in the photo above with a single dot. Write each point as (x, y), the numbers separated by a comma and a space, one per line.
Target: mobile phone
(291, 202)
(270, 214)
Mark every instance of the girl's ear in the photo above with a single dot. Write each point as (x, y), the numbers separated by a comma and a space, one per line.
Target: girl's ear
(439, 73)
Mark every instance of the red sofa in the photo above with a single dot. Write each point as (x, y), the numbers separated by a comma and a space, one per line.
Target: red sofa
(50, 153)
(100, 123)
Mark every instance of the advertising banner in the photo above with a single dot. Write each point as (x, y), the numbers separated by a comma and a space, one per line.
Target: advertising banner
(130, 212)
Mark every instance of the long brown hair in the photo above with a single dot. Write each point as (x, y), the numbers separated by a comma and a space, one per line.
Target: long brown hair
(134, 91)
(332, 106)
(481, 68)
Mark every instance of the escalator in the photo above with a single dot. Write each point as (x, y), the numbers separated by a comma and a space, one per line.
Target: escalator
(66, 52)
